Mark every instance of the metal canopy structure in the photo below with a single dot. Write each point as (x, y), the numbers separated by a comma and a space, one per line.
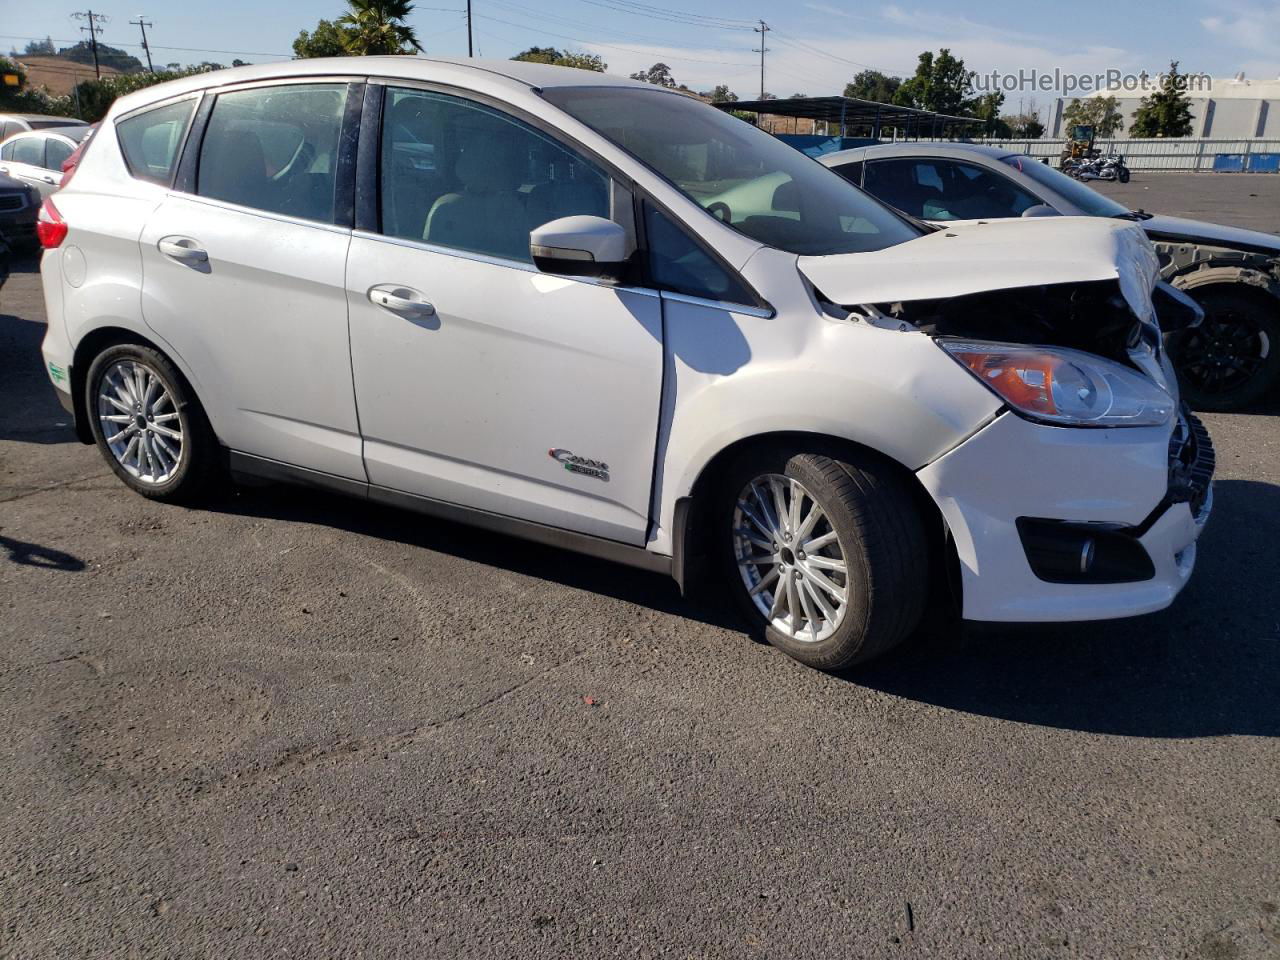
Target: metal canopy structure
(844, 113)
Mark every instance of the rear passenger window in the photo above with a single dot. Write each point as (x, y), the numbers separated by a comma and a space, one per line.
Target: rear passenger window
(275, 149)
(459, 174)
(851, 171)
(55, 152)
(150, 140)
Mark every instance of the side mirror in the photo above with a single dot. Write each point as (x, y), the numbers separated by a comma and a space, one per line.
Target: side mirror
(580, 247)
(1041, 210)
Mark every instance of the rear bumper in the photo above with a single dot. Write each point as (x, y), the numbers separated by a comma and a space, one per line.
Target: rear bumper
(1140, 482)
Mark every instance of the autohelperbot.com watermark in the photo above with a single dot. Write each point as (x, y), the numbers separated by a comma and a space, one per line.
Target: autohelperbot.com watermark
(1068, 83)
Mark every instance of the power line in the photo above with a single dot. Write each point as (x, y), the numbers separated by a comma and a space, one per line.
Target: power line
(762, 30)
(610, 33)
(156, 46)
(93, 20)
(595, 43)
(142, 25)
(670, 16)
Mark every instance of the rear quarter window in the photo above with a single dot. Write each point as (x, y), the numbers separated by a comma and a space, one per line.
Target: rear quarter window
(149, 141)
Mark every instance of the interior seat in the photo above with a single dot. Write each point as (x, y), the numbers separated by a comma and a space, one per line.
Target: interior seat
(234, 169)
(488, 214)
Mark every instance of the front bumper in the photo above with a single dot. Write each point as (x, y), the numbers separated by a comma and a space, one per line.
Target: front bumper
(1152, 486)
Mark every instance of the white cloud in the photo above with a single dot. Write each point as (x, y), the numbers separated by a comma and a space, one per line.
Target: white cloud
(1252, 28)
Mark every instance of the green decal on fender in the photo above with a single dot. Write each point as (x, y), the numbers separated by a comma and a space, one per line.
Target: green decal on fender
(57, 373)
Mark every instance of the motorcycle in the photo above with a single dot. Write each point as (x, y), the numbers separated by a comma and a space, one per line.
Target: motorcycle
(1110, 167)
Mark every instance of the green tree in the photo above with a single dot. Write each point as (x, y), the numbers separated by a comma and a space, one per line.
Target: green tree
(659, 74)
(1101, 112)
(82, 52)
(987, 109)
(873, 85)
(558, 58)
(41, 48)
(378, 27)
(722, 94)
(326, 40)
(941, 83)
(1024, 126)
(1167, 112)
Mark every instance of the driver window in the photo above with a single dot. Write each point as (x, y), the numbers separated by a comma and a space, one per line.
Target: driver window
(460, 174)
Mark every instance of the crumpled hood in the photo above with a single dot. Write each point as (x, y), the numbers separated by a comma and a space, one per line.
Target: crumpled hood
(985, 255)
(1215, 234)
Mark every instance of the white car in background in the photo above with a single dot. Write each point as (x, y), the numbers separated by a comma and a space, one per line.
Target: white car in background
(36, 157)
(532, 299)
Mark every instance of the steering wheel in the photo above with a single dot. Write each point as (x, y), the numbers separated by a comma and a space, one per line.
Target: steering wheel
(720, 210)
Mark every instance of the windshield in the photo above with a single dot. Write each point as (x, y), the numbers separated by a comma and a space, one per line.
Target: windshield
(1086, 198)
(738, 173)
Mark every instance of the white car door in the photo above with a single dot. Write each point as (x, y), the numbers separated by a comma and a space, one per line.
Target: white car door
(23, 158)
(242, 272)
(480, 381)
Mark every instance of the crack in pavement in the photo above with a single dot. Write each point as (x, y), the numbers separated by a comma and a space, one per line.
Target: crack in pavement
(299, 758)
(31, 492)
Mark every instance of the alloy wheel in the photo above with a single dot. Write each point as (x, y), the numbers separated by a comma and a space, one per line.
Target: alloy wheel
(790, 558)
(1224, 351)
(140, 423)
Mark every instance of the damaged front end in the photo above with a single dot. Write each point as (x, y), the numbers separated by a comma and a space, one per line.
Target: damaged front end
(1082, 285)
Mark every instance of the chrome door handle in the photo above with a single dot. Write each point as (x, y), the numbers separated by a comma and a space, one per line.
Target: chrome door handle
(183, 249)
(401, 300)
(48, 179)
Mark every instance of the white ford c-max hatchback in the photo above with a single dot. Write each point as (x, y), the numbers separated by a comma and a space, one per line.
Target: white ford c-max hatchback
(604, 315)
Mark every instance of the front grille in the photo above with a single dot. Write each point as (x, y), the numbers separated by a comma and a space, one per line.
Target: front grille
(1191, 463)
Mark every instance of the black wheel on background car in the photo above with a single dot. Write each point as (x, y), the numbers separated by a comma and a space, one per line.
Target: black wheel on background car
(826, 557)
(1232, 360)
(148, 424)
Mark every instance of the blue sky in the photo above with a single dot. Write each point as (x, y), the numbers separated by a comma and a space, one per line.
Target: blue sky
(815, 46)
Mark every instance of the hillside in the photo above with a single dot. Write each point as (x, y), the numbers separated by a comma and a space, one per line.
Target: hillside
(58, 75)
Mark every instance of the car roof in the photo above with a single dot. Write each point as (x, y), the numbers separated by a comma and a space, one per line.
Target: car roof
(917, 148)
(71, 133)
(516, 74)
(66, 121)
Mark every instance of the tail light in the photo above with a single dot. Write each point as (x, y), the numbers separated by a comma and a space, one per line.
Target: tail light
(51, 229)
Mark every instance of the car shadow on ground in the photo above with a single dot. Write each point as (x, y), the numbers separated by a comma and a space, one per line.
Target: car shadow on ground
(32, 413)
(1207, 666)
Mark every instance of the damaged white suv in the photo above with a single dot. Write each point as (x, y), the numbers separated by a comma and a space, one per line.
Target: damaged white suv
(601, 314)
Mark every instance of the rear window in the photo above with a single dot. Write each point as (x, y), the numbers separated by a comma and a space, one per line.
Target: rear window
(150, 140)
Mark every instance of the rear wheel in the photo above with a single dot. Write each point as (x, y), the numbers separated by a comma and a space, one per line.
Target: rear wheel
(827, 558)
(148, 424)
(1232, 360)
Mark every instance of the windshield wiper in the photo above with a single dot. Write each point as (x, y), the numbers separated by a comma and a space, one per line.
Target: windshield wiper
(1134, 215)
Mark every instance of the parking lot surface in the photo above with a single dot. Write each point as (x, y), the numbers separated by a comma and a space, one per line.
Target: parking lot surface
(293, 725)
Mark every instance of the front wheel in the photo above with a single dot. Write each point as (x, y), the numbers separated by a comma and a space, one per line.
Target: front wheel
(148, 424)
(1232, 360)
(826, 557)
(1123, 174)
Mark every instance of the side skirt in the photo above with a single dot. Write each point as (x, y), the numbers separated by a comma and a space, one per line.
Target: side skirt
(246, 465)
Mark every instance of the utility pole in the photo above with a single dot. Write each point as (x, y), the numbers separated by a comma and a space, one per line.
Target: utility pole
(763, 49)
(94, 20)
(142, 25)
(469, 50)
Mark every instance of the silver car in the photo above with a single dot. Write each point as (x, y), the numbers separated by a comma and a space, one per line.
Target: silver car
(1230, 361)
(36, 156)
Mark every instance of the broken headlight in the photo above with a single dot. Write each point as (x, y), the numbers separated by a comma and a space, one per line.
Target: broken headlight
(1068, 388)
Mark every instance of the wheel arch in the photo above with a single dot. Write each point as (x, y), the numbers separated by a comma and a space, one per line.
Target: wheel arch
(1249, 281)
(692, 546)
(92, 344)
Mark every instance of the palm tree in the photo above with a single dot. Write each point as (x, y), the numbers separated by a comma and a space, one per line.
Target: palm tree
(377, 26)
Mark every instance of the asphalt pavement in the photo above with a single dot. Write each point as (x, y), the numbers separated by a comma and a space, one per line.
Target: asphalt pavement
(288, 724)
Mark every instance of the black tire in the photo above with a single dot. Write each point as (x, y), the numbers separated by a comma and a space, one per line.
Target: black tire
(881, 536)
(1123, 174)
(199, 456)
(1244, 323)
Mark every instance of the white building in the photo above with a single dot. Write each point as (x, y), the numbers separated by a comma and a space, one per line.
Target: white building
(1230, 109)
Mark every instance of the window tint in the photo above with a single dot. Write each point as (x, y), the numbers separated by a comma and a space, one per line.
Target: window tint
(28, 150)
(678, 263)
(56, 151)
(1082, 195)
(275, 149)
(150, 141)
(752, 181)
(6, 152)
(850, 171)
(934, 189)
(462, 175)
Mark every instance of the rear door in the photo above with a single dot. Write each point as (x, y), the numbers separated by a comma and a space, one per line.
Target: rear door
(23, 158)
(243, 269)
(514, 392)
